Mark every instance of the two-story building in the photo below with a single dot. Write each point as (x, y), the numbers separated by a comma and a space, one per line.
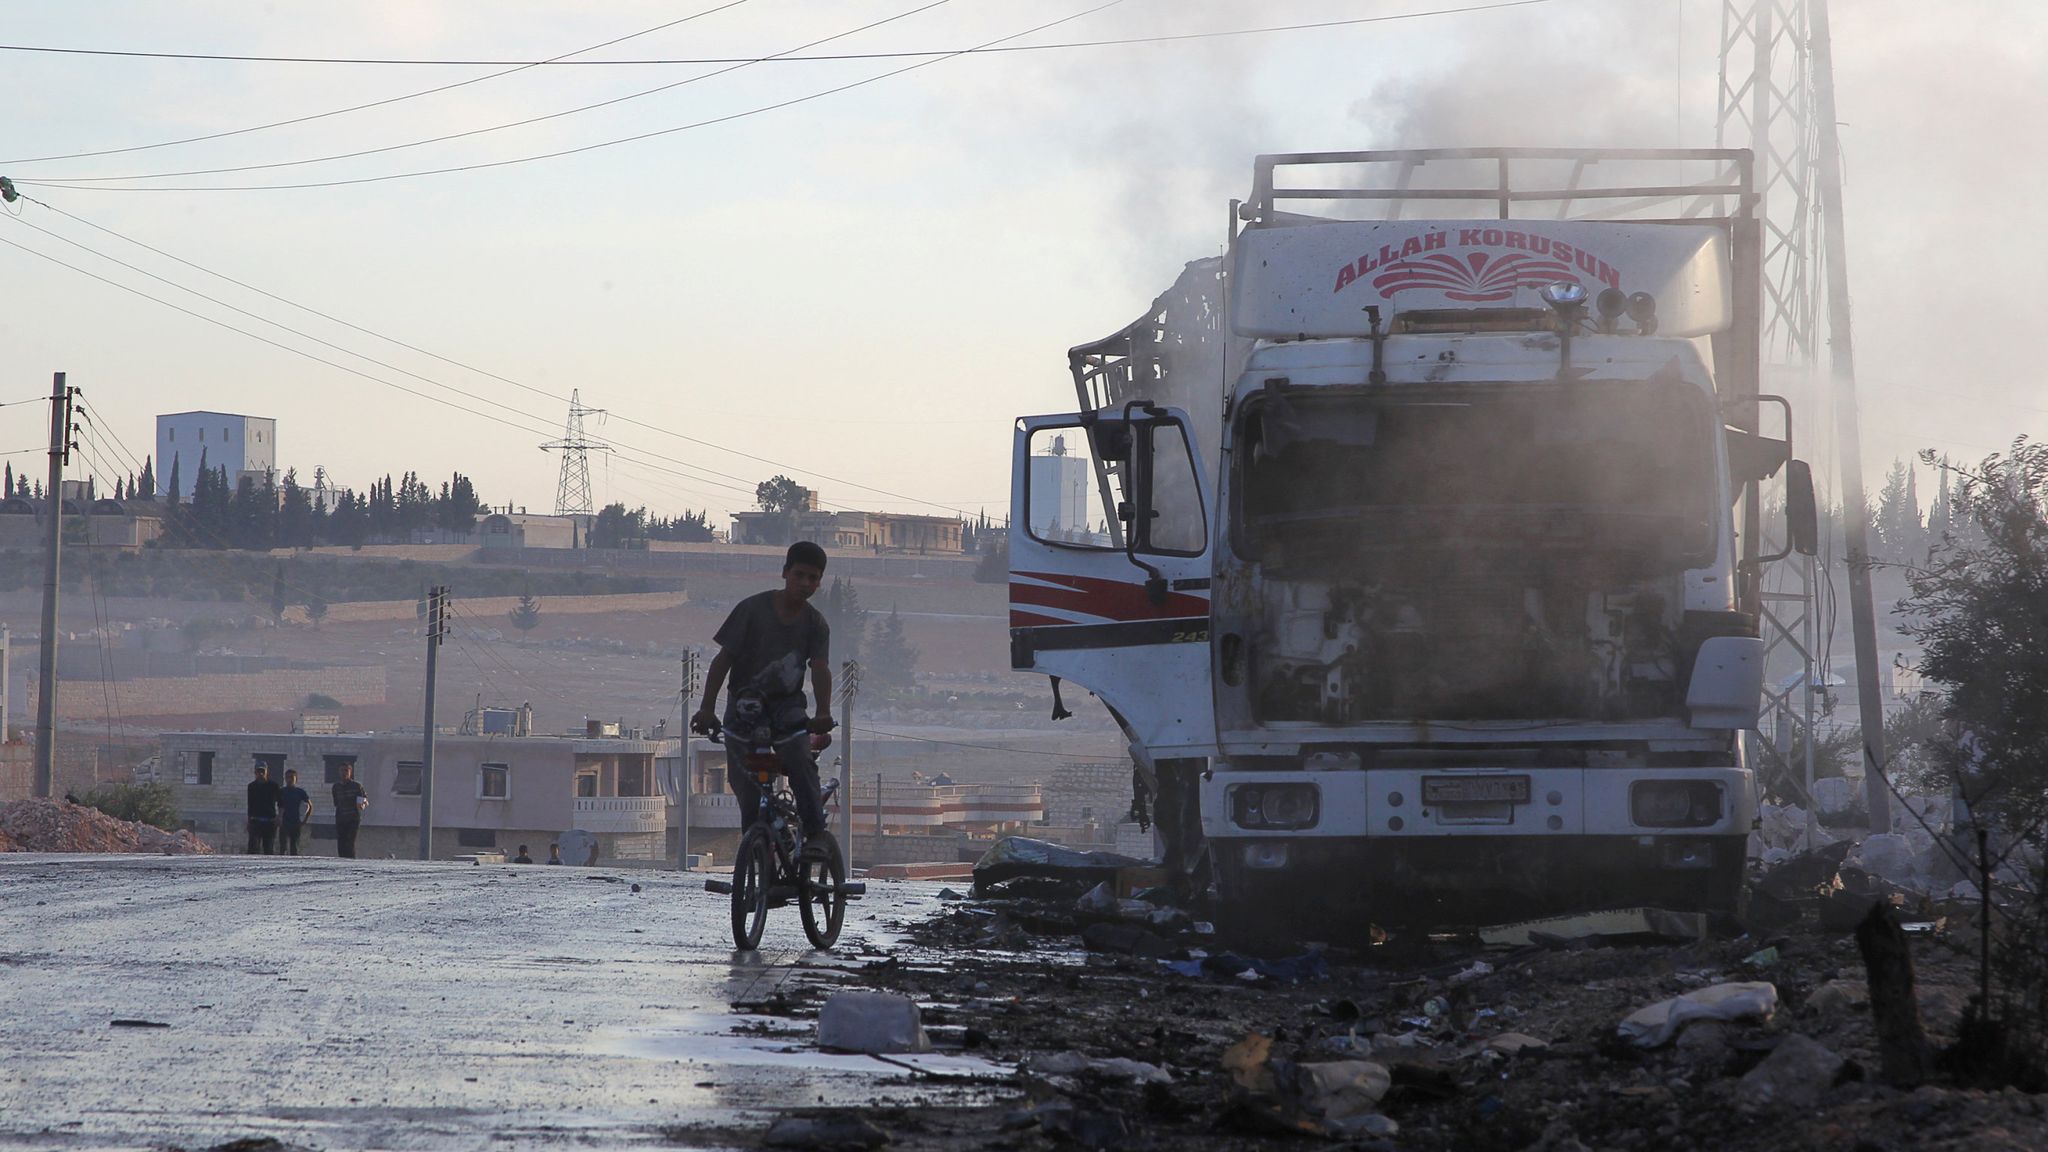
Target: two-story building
(243, 445)
(493, 791)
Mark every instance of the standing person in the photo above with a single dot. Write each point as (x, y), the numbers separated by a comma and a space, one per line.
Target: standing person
(349, 801)
(262, 812)
(522, 858)
(765, 645)
(294, 808)
(554, 853)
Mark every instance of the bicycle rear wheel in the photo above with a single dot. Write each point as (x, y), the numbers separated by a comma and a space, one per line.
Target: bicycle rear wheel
(753, 870)
(821, 890)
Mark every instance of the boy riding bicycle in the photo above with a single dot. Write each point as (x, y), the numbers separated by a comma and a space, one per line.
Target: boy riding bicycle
(764, 646)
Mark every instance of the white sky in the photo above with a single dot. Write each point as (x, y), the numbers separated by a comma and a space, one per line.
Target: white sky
(868, 286)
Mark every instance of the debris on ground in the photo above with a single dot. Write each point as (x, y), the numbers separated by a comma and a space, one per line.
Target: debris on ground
(825, 1132)
(881, 1022)
(1615, 925)
(1797, 1073)
(59, 826)
(1115, 1068)
(1658, 1024)
(1439, 1042)
(1054, 866)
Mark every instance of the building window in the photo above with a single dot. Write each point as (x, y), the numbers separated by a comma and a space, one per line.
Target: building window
(586, 783)
(493, 781)
(334, 766)
(259, 436)
(171, 435)
(477, 837)
(202, 435)
(198, 767)
(407, 781)
(224, 434)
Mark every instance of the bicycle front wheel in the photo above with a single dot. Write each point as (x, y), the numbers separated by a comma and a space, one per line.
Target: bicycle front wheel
(753, 870)
(821, 890)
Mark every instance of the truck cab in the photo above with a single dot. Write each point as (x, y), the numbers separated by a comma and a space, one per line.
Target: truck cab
(1418, 563)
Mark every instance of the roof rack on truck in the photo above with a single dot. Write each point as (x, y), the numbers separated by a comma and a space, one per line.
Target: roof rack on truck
(1477, 183)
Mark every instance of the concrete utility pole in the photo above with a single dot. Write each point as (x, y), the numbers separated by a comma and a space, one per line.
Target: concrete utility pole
(1842, 361)
(437, 630)
(46, 684)
(849, 679)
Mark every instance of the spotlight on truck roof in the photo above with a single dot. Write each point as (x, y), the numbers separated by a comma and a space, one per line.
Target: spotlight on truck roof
(1564, 294)
(1642, 308)
(1611, 303)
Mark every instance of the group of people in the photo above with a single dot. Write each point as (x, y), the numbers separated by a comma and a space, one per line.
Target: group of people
(278, 814)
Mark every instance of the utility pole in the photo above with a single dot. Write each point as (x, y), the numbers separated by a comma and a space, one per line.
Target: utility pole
(687, 778)
(437, 630)
(1842, 361)
(6, 682)
(849, 680)
(46, 684)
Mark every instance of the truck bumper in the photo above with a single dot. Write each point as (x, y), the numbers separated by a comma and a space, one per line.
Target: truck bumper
(1472, 846)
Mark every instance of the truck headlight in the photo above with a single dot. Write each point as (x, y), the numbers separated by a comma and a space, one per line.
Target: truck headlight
(1282, 806)
(1675, 803)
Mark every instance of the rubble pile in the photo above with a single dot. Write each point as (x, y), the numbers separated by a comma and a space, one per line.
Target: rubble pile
(1130, 1024)
(61, 826)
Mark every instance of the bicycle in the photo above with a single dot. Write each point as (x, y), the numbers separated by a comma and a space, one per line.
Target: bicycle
(776, 861)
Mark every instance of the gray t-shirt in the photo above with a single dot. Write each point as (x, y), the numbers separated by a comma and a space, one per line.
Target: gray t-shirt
(770, 656)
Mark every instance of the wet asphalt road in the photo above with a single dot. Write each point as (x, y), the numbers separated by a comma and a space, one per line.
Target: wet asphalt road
(378, 1004)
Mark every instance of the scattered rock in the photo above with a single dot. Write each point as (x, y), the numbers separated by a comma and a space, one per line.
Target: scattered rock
(1796, 1074)
(836, 1132)
(871, 1022)
(1839, 996)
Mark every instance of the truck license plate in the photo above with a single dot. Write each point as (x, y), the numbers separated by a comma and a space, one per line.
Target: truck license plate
(1475, 789)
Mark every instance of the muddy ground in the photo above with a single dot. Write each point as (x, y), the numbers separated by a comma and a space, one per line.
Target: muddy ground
(1506, 1049)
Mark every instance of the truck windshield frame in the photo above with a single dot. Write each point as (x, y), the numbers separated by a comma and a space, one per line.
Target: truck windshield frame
(1625, 466)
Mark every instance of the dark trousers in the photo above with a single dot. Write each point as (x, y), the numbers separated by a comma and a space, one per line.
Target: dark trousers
(345, 838)
(803, 782)
(288, 839)
(262, 836)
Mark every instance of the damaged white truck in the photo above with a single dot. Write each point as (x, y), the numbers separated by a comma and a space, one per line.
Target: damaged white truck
(1418, 557)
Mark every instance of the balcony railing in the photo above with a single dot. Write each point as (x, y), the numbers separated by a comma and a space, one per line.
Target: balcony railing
(621, 814)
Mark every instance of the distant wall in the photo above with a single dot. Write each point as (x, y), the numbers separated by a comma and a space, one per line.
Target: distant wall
(495, 607)
(424, 553)
(281, 690)
(686, 559)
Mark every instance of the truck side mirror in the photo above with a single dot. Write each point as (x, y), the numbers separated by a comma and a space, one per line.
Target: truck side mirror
(1802, 518)
(1112, 440)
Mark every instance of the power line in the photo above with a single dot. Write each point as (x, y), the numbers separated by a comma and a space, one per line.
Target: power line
(1120, 41)
(493, 128)
(558, 153)
(563, 58)
(743, 488)
(740, 486)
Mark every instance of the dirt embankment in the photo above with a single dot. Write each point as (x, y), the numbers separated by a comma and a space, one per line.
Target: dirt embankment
(60, 826)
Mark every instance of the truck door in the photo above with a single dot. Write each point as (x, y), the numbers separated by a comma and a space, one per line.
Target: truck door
(1109, 566)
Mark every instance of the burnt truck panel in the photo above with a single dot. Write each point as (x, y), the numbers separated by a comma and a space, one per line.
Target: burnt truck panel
(1477, 576)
